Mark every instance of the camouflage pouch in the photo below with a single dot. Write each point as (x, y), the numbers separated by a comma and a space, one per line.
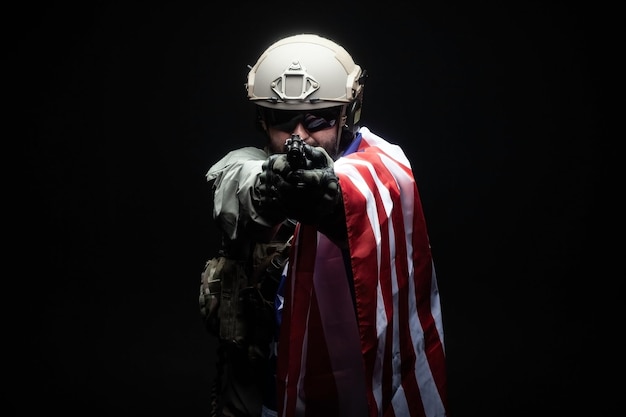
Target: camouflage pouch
(269, 260)
(222, 281)
(210, 290)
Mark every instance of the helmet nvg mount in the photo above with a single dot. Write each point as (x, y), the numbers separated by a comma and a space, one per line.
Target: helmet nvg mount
(306, 72)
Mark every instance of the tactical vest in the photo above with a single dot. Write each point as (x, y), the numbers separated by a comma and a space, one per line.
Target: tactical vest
(237, 293)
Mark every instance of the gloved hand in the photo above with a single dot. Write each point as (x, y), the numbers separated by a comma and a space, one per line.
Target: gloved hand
(307, 195)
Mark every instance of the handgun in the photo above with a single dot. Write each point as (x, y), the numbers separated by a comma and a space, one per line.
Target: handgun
(294, 148)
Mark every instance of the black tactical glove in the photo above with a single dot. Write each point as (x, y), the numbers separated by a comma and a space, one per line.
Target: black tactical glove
(307, 194)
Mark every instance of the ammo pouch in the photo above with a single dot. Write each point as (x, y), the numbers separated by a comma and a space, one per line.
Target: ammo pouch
(221, 283)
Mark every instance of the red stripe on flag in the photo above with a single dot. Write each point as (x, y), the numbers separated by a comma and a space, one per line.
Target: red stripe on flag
(319, 386)
(405, 341)
(363, 258)
(433, 346)
(384, 273)
(293, 327)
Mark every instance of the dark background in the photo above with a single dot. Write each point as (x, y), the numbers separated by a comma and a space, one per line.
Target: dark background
(129, 104)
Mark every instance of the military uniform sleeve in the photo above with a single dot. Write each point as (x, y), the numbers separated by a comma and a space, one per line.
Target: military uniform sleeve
(232, 180)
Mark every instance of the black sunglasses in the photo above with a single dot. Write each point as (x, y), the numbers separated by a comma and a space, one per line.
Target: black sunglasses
(312, 121)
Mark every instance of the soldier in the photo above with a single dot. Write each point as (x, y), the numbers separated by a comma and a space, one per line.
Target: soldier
(323, 295)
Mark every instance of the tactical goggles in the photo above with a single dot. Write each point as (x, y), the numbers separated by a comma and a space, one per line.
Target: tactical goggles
(312, 121)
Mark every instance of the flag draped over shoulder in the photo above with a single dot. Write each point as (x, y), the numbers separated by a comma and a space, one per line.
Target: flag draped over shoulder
(397, 329)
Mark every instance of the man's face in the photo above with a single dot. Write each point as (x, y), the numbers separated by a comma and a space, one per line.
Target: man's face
(316, 128)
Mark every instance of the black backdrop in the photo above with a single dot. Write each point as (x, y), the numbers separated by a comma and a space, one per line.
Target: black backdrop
(129, 104)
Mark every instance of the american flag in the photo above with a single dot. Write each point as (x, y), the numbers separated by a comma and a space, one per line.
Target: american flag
(388, 359)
